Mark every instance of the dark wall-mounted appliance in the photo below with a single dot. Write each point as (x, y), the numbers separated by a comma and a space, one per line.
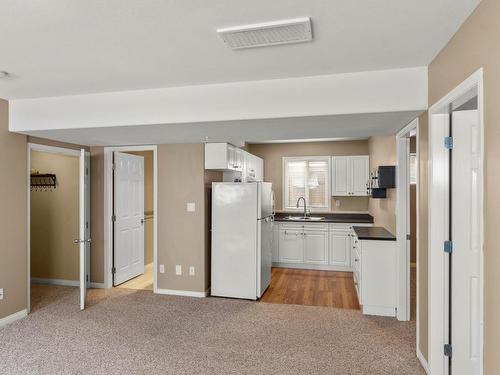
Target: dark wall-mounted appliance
(382, 178)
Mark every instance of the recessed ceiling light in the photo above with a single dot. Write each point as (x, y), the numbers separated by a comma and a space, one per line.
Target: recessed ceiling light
(295, 30)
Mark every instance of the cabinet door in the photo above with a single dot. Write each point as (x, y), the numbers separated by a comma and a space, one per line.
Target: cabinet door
(315, 247)
(340, 249)
(341, 179)
(276, 239)
(359, 175)
(290, 246)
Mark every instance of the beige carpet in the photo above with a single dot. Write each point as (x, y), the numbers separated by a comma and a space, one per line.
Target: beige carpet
(137, 332)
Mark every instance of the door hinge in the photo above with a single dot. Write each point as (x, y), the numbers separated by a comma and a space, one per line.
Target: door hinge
(448, 350)
(86, 171)
(113, 218)
(408, 237)
(113, 166)
(448, 247)
(448, 143)
(87, 278)
(113, 270)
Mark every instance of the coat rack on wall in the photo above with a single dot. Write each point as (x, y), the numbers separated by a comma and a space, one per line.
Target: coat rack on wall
(43, 182)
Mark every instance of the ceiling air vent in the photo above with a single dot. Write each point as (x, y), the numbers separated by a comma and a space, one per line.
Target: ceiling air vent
(296, 30)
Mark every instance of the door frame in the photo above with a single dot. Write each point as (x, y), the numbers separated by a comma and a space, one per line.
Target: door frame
(108, 210)
(402, 223)
(438, 221)
(52, 150)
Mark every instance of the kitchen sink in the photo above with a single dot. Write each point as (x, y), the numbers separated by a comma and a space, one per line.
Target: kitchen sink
(304, 218)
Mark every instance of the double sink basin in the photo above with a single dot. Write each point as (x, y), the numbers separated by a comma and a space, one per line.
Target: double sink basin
(304, 218)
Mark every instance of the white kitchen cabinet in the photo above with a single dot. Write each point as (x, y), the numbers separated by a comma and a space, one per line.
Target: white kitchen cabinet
(340, 249)
(315, 244)
(276, 242)
(350, 175)
(291, 249)
(223, 157)
(374, 271)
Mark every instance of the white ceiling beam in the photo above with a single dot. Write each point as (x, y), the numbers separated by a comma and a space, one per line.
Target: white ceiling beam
(365, 92)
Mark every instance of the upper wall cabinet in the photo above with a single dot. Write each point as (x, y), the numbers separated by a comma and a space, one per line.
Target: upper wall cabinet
(234, 162)
(223, 157)
(350, 175)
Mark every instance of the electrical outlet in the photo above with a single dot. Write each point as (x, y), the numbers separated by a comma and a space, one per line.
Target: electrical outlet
(1, 293)
(178, 269)
(191, 271)
(162, 268)
(337, 203)
(190, 207)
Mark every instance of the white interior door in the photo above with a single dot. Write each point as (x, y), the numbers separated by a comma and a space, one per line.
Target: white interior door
(84, 224)
(466, 257)
(128, 248)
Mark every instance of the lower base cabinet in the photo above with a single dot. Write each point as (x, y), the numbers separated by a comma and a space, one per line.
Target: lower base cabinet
(319, 246)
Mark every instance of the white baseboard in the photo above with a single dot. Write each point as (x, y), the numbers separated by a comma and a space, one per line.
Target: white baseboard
(36, 280)
(422, 360)
(13, 317)
(379, 310)
(97, 285)
(319, 267)
(186, 293)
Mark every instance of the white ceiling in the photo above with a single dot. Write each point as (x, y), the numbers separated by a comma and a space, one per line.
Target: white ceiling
(63, 47)
(253, 131)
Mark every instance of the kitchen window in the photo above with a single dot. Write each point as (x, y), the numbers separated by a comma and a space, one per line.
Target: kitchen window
(307, 177)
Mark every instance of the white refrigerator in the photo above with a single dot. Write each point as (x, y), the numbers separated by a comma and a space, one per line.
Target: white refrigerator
(242, 235)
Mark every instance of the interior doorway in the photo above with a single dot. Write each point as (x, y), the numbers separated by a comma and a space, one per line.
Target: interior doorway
(58, 221)
(130, 207)
(456, 230)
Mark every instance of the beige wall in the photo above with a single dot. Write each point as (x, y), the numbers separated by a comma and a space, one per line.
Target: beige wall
(13, 197)
(148, 202)
(273, 154)
(54, 218)
(383, 152)
(181, 234)
(476, 45)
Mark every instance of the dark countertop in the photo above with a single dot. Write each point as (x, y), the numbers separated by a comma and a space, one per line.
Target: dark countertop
(328, 218)
(374, 233)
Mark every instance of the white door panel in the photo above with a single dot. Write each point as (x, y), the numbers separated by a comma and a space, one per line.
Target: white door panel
(129, 215)
(360, 173)
(341, 175)
(466, 211)
(340, 254)
(315, 247)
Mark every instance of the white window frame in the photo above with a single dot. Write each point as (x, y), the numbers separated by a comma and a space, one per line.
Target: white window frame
(285, 160)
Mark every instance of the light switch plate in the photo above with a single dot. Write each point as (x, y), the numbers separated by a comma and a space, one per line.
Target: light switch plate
(178, 269)
(337, 203)
(1, 293)
(162, 268)
(191, 271)
(190, 207)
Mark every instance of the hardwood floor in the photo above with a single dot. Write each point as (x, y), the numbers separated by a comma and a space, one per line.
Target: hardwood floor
(313, 288)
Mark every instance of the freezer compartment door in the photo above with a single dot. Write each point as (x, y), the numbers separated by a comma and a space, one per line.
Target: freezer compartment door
(234, 240)
(266, 198)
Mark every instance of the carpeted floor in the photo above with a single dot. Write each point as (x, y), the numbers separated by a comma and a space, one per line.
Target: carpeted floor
(137, 332)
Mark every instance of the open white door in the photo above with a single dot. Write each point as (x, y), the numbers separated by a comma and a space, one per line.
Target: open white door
(128, 215)
(84, 223)
(466, 290)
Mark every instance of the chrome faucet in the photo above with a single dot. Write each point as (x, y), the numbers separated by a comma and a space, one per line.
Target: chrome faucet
(305, 205)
